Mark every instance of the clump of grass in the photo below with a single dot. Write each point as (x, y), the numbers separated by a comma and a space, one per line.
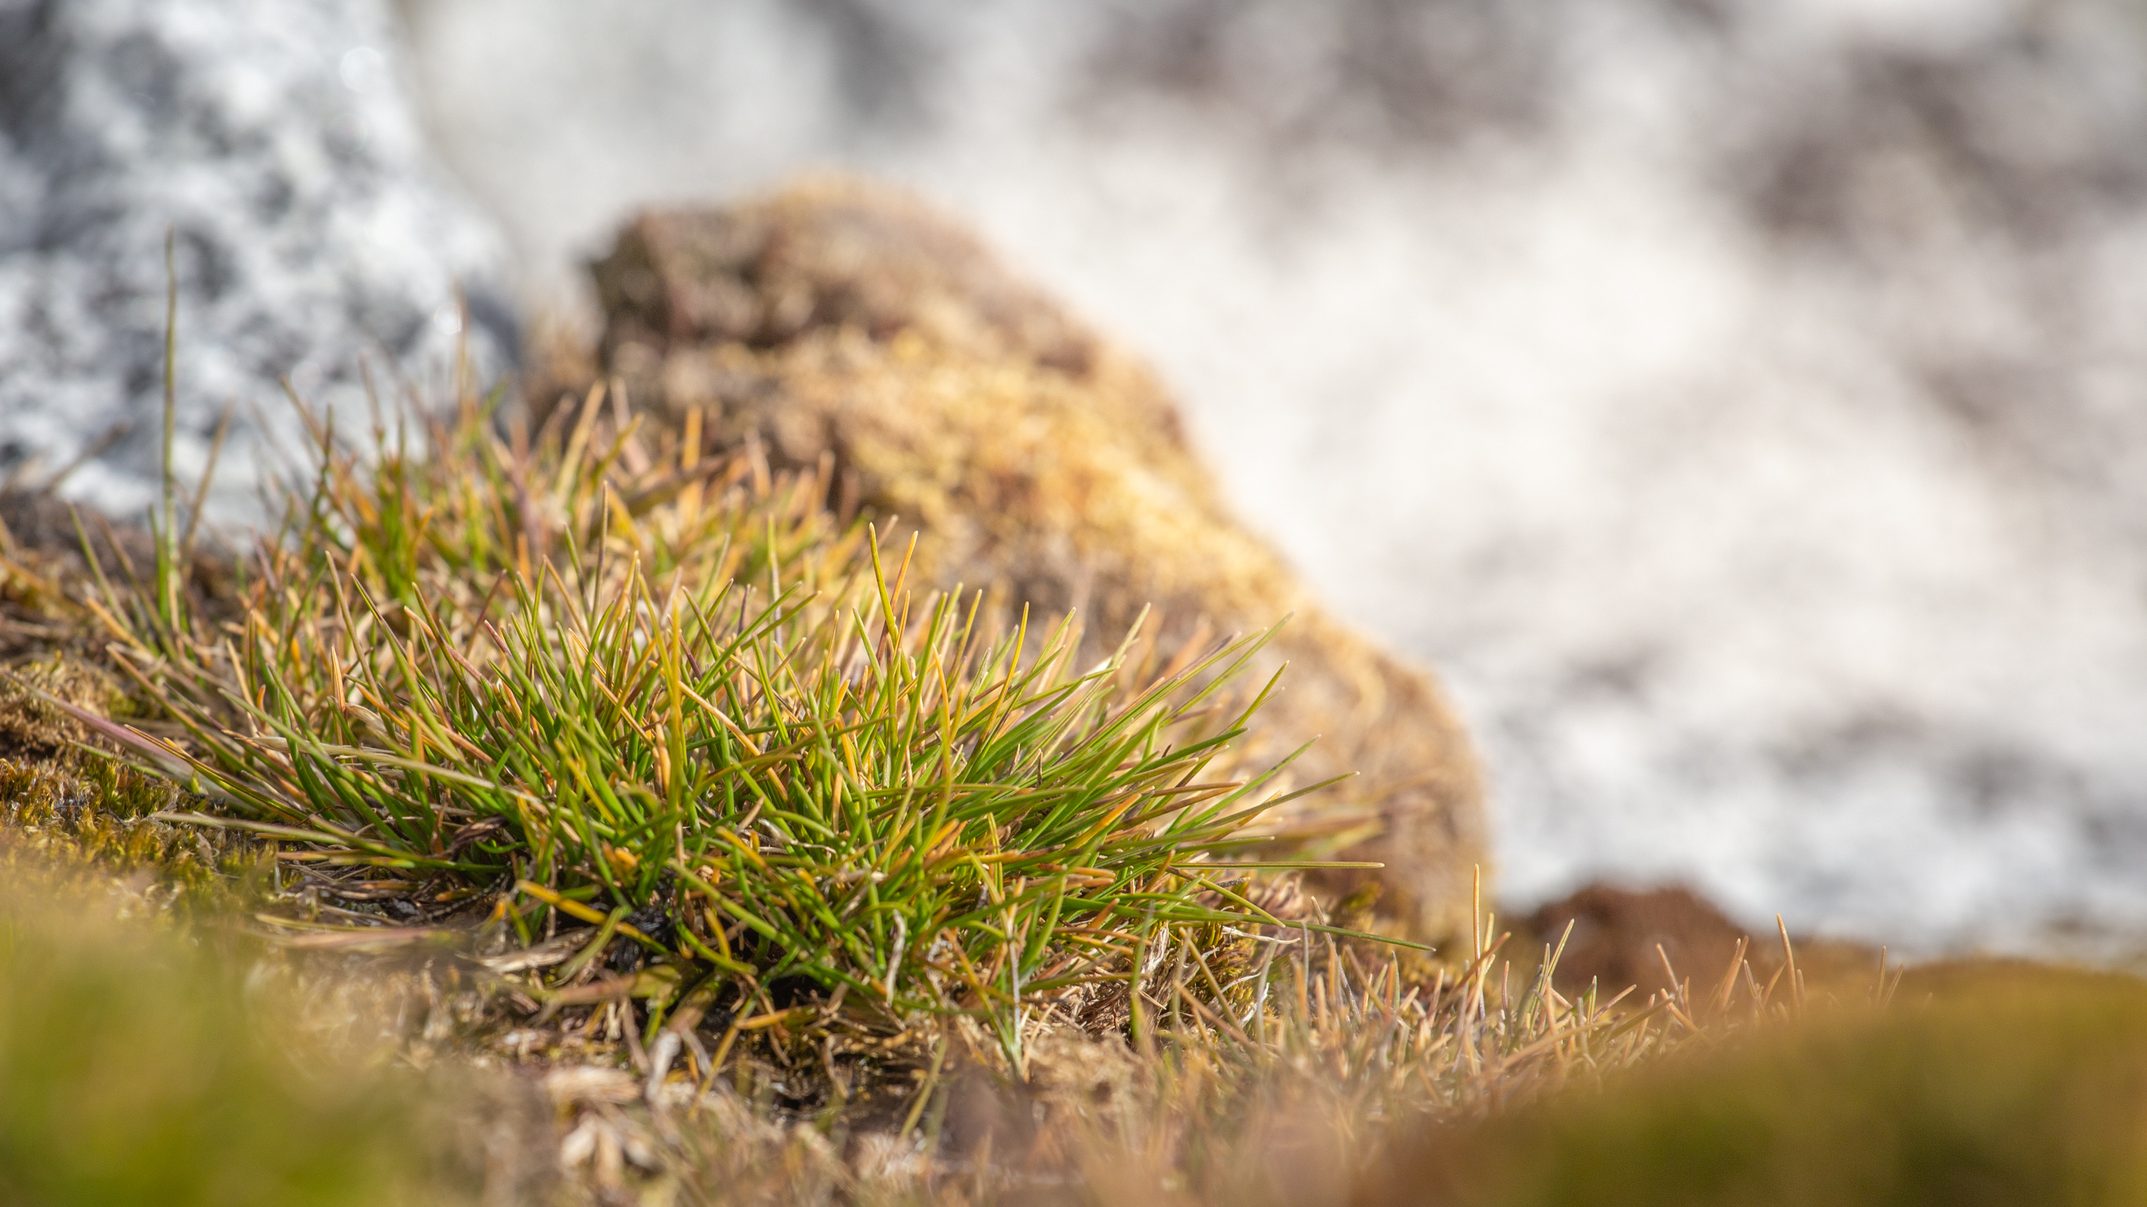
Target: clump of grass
(589, 678)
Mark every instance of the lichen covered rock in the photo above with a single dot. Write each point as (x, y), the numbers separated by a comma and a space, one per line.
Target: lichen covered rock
(274, 141)
(840, 320)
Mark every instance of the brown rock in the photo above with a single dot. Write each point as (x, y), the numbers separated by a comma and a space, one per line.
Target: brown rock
(841, 320)
(1636, 937)
(1627, 936)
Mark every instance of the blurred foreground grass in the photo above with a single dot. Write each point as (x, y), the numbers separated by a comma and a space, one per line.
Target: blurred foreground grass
(141, 1064)
(2018, 1085)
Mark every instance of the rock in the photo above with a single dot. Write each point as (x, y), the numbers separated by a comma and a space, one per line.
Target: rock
(846, 321)
(275, 141)
(1611, 936)
(1624, 936)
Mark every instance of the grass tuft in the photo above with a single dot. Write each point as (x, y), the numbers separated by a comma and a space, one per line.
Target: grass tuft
(598, 682)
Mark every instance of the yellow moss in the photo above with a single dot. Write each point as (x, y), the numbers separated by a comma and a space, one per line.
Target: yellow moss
(32, 724)
(61, 801)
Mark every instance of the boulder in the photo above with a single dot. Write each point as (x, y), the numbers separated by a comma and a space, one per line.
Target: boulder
(275, 143)
(846, 321)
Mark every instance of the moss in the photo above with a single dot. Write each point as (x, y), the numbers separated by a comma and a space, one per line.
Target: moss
(32, 725)
(61, 801)
(837, 321)
(2031, 1088)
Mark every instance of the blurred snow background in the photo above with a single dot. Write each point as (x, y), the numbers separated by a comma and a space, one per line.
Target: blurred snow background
(1742, 404)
